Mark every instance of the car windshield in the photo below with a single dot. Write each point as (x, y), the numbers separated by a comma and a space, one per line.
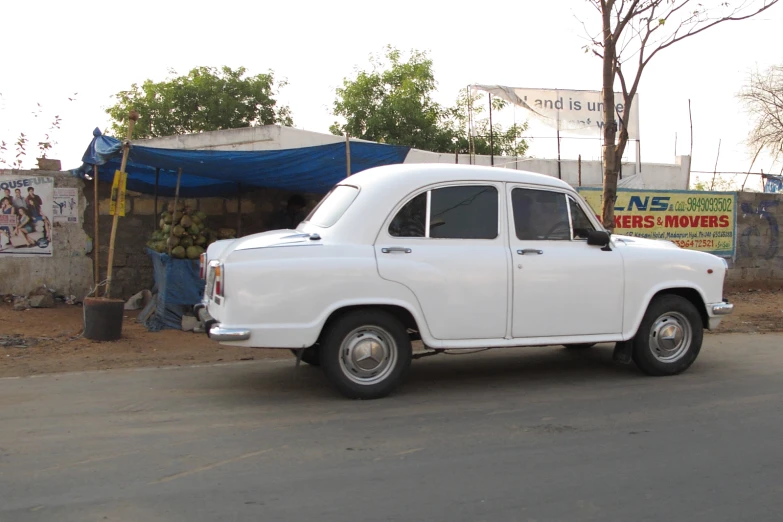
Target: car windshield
(333, 206)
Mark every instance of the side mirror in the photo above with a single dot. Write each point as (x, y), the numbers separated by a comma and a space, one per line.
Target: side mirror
(598, 238)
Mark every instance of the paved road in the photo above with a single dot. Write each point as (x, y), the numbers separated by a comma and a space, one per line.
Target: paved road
(524, 435)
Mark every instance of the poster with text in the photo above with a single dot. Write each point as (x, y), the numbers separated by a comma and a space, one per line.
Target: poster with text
(26, 214)
(66, 205)
(695, 220)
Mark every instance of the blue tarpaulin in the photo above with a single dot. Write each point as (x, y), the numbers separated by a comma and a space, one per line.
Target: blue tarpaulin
(220, 173)
(179, 288)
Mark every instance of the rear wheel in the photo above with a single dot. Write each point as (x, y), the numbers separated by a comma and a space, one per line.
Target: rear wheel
(669, 338)
(365, 354)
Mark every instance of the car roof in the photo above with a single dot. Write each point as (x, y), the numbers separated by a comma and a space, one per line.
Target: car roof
(417, 175)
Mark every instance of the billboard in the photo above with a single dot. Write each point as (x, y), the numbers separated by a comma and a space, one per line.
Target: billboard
(692, 219)
(577, 112)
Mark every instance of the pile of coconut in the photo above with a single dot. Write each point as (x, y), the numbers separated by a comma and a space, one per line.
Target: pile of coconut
(185, 232)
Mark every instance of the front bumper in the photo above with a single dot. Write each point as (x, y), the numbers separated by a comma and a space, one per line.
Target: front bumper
(716, 311)
(724, 308)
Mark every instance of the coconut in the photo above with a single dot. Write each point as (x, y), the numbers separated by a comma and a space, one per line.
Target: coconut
(178, 231)
(186, 241)
(201, 240)
(186, 221)
(194, 230)
(194, 252)
(173, 241)
(195, 219)
(178, 252)
(201, 215)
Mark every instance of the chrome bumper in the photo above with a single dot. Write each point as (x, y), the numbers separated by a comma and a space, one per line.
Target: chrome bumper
(722, 308)
(220, 334)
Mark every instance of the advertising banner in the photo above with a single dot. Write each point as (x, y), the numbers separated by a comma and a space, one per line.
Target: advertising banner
(692, 219)
(577, 112)
(26, 205)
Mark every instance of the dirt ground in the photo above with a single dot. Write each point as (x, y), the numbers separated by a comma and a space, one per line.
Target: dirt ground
(48, 340)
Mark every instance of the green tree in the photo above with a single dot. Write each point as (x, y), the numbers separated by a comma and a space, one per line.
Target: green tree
(393, 103)
(206, 99)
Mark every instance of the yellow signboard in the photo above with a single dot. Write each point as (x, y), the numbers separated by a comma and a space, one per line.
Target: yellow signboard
(118, 192)
(692, 219)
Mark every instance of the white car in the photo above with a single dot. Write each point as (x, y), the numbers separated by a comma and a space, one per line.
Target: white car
(460, 257)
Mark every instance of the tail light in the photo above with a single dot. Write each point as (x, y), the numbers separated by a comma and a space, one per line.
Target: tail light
(219, 280)
(202, 268)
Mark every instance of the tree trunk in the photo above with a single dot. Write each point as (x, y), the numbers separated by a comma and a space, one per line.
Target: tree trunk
(610, 160)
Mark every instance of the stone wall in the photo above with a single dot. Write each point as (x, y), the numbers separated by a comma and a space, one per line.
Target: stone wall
(759, 257)
(132, 270)
(69, 269)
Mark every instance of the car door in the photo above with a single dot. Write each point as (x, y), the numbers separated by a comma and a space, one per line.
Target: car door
(448, 246)
(561, 285)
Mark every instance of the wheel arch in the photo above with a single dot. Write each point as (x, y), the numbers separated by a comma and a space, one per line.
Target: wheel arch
(691, 293)
(400, 312)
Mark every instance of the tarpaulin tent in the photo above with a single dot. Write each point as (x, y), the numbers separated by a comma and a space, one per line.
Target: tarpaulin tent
(218, 173)
(211, 173)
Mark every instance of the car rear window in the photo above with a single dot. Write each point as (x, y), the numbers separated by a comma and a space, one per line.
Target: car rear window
(333, 206)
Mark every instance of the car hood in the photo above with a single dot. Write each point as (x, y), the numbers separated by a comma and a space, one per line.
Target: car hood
(641, 242)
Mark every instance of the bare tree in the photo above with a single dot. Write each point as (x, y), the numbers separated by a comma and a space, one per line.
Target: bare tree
(632, 33)
(763, 99)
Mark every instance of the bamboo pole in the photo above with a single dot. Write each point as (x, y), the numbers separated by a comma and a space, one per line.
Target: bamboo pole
(96, 242)
(347, 156)
(132, 117)
(176, 201)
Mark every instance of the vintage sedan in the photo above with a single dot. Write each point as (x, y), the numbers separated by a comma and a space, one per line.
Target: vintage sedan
(459, 257)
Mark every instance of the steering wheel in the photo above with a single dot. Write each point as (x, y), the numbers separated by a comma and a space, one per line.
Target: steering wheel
(566, 226)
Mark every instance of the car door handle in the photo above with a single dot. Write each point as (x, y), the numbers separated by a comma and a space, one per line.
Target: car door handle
(526, 251)
(392, 250)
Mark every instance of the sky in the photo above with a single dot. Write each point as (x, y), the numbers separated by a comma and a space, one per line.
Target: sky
(54, 49)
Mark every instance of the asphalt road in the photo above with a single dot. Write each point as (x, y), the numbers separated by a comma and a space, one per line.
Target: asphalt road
(522, 435)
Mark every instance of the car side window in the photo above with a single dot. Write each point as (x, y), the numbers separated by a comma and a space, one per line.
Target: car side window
(459, 212)
(410, 220)
(540, 215)
(464, 212)
(579, 221)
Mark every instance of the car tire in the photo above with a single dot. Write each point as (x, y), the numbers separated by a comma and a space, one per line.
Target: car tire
(365, 354)
(580, 346)
(310, 356)
(669, 338)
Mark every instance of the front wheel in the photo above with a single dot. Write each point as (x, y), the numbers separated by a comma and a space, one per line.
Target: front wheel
(365, 354)
(669, 338)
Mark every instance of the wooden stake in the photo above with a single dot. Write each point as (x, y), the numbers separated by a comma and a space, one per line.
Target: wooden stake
(347, 156)
(133, 116)
(176, 200)
(96, 242)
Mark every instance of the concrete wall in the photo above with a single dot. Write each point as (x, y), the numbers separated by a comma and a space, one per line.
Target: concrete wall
(759, 256)
(69, 270)
(274, 137)
(653, 175)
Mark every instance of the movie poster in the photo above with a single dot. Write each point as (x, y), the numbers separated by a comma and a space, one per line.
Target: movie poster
(26, 207)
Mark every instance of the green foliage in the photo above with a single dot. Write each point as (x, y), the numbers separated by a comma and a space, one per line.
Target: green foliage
(206, 99)
(393, 103)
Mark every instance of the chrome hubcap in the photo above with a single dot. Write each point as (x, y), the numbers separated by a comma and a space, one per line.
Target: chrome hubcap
(670, 337)
(368, 355)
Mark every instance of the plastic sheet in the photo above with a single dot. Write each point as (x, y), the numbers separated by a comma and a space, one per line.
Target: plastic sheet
(179, 288)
